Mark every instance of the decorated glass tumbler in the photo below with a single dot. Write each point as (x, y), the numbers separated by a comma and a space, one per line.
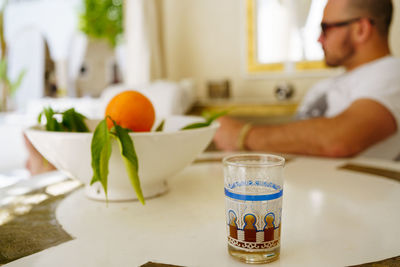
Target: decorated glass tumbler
(253, 199)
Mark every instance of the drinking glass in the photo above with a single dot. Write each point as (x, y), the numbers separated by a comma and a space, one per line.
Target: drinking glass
(253, 201)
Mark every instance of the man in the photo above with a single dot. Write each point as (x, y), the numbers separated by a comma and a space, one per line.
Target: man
(358, 111)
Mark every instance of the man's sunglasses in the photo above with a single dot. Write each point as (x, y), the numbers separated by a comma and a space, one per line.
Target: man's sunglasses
(326, 26)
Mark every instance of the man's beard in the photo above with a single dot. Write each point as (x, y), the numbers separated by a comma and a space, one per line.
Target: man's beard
(345, 53)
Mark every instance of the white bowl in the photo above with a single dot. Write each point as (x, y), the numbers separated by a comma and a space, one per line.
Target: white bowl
(160, 154)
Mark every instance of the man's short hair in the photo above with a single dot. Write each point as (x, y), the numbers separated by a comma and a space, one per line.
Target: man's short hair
(380, 11)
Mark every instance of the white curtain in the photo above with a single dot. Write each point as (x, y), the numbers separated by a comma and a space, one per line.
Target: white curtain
(143, 52)
(26, 24)
(299, 9)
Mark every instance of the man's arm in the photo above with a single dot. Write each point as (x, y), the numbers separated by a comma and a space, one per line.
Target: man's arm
(363, 124)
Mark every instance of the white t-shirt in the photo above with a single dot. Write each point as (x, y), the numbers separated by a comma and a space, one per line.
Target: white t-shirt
(378, 80)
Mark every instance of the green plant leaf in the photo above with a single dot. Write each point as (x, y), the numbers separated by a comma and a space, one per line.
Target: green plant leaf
(196, 125)
(51, 123)
(130, 158)
(3, 69)
(212, 116)
(101, 153)
(73, 121)
(160, 127)
(17, 83)
(39, 118)
(209, 117)
(102, 19)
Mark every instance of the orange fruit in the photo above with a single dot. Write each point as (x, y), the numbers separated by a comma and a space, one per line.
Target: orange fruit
(132, 110)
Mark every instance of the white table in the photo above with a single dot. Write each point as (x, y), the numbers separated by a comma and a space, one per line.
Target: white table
(331, 217)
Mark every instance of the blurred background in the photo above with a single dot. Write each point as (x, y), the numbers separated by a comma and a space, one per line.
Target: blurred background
(256, 57)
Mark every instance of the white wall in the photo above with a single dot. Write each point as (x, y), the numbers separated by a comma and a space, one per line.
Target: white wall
(56, 20)
(27, 25)
(202, 39)
(205, 39)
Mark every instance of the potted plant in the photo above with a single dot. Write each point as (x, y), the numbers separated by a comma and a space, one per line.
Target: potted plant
(102, 22)
(7, 87)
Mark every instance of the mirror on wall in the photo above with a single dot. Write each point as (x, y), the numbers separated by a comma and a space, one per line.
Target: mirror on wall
(283, 35)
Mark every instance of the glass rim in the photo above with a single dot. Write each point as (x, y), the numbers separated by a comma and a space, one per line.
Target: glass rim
(280, 161)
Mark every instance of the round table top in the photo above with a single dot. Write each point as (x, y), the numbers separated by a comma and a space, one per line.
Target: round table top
(332, 216)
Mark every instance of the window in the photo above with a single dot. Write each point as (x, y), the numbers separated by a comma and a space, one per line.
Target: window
(283, 35)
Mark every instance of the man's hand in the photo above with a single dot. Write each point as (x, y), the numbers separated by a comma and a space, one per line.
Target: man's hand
(227, 135)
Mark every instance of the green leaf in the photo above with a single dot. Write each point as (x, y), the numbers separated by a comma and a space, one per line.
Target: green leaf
(196, 125)
(160, 127)
(130, 158)
(209, 117)
(74, 121)
(212, 116)
(101, 153)
(51, 123)
(17, 83)
(102, 19)
(39, 119)
(3, 69)
(68, 121)
(71, 121)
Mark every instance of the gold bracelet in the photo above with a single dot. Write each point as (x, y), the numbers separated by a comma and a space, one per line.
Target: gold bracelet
(242, 136)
